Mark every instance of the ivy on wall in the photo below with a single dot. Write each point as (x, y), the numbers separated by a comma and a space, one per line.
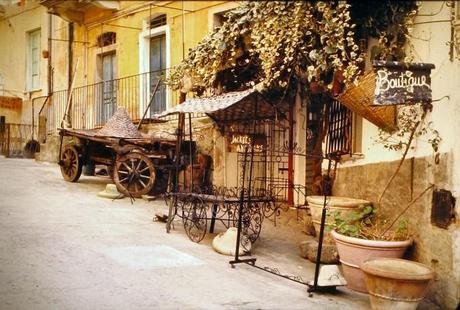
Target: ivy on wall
(277, 42)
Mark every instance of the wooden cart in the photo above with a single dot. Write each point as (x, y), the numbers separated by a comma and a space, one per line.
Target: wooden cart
(136, 164)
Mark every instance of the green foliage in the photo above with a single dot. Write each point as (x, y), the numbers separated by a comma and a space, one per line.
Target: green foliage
(387, 20)
(367, 224)
(349, 225)
(277, 42)
(411, 119)
(282, 39)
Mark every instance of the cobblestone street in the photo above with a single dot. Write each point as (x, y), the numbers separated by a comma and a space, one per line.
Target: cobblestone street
(62, 247)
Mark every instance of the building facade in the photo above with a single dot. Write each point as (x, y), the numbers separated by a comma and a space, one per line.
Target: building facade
(113, 53)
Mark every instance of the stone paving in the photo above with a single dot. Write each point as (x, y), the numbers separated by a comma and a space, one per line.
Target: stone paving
(62, 247)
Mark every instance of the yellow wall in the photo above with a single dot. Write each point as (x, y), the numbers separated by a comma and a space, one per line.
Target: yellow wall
(15, 24)
(133, 14)
(18, 20)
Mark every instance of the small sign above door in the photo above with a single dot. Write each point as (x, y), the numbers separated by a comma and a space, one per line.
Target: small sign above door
(237, 142)
(402, 83)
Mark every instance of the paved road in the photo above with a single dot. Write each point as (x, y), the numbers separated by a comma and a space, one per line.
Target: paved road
(62, 247)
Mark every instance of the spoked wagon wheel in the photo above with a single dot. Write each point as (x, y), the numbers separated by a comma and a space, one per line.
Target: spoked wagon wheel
(134, 174)
(195, 219)
(71, 164)
(251, 220)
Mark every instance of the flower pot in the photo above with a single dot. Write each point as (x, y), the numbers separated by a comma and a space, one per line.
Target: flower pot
(334, 203)
(396, 283)
(354, 252)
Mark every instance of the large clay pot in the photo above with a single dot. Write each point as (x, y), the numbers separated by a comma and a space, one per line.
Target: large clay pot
(334, 203)
(396, 283)
(354, 252)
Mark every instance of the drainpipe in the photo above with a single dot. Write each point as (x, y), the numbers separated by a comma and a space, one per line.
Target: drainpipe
(70, 56)
(291, 156)
(50, 46)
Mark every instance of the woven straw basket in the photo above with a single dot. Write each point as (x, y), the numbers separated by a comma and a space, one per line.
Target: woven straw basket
(360, 99)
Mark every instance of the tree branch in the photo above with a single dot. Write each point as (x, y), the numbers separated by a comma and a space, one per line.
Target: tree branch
(405, 209)
(409, 142)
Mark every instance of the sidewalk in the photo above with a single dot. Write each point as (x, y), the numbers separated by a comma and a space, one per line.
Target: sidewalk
(65, 248)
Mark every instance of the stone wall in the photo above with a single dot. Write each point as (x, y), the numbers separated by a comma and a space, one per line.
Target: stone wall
(433, 246)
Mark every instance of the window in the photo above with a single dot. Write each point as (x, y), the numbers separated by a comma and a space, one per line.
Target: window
(107, 38)
(158, 21)
(33, 60)
(220, 19)
(338, 139)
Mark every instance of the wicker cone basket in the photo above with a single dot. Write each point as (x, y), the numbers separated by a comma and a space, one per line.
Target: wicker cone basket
(360, 98)
(120, 125)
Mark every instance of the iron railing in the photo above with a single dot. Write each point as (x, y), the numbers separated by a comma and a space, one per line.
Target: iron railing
(92, 105)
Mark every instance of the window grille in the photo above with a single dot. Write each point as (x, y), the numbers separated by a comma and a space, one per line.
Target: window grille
(158, 21)
(107, 38)
(339, 129)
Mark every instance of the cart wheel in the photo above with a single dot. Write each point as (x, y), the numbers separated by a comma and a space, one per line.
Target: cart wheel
(195, 219)
(134, 174)
(251, 221)
(70, 163)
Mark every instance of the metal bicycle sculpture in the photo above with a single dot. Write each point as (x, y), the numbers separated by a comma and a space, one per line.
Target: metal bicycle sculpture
(197, 210)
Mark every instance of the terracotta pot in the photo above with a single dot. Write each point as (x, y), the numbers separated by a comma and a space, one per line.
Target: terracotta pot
(396, 283)
(354, 252)
(334, 203)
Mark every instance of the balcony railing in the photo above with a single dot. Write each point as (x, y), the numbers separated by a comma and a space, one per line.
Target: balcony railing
(92, 105)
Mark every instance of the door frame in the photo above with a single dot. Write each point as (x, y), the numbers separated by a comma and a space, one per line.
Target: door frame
(144, 59)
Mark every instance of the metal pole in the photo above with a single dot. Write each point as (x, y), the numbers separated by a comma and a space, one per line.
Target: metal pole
(190, 150)
(172, 206)
(148, 106)
(241, 206)
(321, 231)
(8, 140)
(291, 157)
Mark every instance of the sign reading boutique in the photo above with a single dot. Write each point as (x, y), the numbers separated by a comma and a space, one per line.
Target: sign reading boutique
(400, 83)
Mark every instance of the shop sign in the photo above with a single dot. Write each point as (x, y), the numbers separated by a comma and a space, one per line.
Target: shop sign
(401, 83)
(238, 142)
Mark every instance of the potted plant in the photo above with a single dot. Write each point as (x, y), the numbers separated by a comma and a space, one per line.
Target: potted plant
(361, 235)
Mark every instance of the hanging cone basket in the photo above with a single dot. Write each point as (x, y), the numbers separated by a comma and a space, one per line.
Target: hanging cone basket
(360, 99)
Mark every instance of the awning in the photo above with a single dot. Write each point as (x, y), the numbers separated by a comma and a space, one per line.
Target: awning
(229, 107)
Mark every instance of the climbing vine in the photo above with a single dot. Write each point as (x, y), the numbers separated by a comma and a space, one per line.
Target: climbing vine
(270, 42)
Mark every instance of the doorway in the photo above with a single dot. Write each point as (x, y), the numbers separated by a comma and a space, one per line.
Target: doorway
(157, 68)
(108, 88)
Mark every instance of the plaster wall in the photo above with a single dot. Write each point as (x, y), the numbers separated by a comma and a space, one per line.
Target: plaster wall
(10, 108)
(15, 25)
(187, 24)
(367, 176)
